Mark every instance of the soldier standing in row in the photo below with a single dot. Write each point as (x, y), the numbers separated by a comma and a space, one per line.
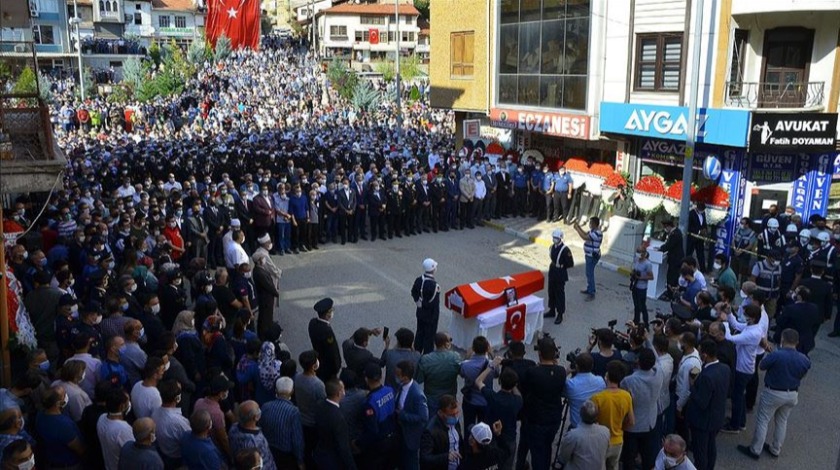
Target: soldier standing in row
(426, 295)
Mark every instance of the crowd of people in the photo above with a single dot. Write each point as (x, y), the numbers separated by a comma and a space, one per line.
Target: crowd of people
(153, 336)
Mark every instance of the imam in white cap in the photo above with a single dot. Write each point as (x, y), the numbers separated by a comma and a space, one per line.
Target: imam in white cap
(557, 234)
(235, 223)
(264, 239)
(482, 434)
(429, 265)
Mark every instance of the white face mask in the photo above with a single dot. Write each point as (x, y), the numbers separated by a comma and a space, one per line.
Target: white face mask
(28, 465)
(155, 309)
(717, 265)
(671, 462)
(208, 288)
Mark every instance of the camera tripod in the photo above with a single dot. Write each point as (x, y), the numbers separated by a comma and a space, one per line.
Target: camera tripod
(557, 463)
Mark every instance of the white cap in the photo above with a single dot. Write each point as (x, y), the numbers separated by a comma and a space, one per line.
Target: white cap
(557, 233)
(235, 223)
(482, 434)
(791, 228)
(264, 239)
(773, 223)
(823, 237)
(429, 265)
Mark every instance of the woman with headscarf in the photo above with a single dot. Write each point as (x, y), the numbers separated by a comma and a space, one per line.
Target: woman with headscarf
(190, 351)
(217, 352)
(269, 372)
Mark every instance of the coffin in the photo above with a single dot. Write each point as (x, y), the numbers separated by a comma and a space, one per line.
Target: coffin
(470, 300)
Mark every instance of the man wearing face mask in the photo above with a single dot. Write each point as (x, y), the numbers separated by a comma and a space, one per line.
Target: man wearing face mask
(112, 429)
(141, 453)
(145, 395)
(88, 326)
(673, 246)
(771, 238)
(60, 437)
(217, 392)
(153, 327)
(767, 275)
(672, 456)
(561, 262)
(746, 345)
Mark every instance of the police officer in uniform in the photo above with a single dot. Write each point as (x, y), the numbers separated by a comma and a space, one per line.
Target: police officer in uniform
(558, 275)
(378, 439)
(770, 238)
(323, 340)
(426, 295)
(767, 275)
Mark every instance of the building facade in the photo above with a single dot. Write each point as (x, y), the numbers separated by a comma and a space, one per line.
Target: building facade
(367, 32)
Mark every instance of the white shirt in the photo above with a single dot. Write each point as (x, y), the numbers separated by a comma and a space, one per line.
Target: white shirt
(698, 276)
(665, 368)
(404, 394)
(124, 192)
(660, 463)
(171, 425)
(688, 362)
(480, 188)
(113, 434)
(746, 343)
(144, 400)
(92, 366)
(235, 255)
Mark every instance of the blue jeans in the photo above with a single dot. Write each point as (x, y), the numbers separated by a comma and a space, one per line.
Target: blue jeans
(284, 236)
(739, 400)
(591, 262)
(540, 439)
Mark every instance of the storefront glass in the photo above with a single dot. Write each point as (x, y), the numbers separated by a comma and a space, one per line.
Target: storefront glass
(543, 53)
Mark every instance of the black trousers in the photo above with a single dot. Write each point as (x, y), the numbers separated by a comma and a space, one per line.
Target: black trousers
(466, 214)
(697, 248)
(377, 226)
(556, 296)
(636, 443)
(640, 310)
(427, 323)
(703, 448)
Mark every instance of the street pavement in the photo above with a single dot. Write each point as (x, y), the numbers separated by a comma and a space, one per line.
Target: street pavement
(370, 283)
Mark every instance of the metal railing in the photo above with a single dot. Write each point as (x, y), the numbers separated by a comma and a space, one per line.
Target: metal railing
(758, 95)
(25, 129)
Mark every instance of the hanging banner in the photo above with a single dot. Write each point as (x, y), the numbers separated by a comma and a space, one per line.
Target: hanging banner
(799, 196)
(733, 169)
(820, 186)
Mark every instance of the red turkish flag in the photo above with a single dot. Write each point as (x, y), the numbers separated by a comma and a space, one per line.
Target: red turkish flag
(239, 20)
(373, 36)
(476, 298)
(515, 323)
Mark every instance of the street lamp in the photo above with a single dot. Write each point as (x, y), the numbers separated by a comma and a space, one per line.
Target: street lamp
(76, 20)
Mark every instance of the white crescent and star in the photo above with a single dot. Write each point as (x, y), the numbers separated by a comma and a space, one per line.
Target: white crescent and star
(488, 295)
(232, 13)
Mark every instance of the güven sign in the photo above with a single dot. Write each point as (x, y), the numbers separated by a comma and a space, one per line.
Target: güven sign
(561, 125)
(803, 132)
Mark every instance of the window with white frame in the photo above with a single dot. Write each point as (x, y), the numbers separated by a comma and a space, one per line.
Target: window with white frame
(163, 21)
(338, 33)
(180, 21)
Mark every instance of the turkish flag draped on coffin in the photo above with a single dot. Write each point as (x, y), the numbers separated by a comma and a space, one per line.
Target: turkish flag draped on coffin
(239, 20)
(476, 298)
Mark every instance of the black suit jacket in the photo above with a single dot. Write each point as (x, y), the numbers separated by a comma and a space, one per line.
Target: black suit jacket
(805, 318)
(706, 407)
(333, 438)
(434, 445)
(357, 358)
(375, 202)
(346, 204)
(324, 342)
(694, 223)
(820, 294)
(674, 247)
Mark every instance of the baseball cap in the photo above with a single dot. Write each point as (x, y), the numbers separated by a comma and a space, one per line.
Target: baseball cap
(482, 434)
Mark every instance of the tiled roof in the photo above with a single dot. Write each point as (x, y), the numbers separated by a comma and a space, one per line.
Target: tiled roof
(374, 9)
(179, 5)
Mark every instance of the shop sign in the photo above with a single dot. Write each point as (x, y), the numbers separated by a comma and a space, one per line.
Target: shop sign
(575, 126)
(799, 132)
(714, 126)
(472, 129)
(665, 152)
(181, 32)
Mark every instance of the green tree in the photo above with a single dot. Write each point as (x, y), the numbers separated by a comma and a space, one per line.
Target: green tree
(135, 71)
(44, 88)
(423, 7)
(410, 67)
(342, 79)
(155, 53)
(386, 68)
(365, 97)
(223, 48)
(27, 82)
(197, 53)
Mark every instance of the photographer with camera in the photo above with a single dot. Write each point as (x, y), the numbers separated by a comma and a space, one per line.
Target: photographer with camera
(543, 387)
(581, 385)
(637, 341)
(642, 273)
(604, 338)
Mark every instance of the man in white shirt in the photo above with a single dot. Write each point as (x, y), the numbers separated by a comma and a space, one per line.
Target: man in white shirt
(171, 184)
(112, 429)
(235, 255)
(747, 344)
(81, 346)
(690, 365)
(144, 395)
(665, 368)
(171, 424)
(480, 194)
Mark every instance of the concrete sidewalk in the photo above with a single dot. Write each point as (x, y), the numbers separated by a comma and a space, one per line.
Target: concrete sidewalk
(539, 232)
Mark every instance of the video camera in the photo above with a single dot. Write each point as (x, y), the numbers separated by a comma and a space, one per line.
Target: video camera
(547, 338)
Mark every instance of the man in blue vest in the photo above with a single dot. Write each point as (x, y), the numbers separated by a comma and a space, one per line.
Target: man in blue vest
(379, 434)
(520, 191)
(767, 276)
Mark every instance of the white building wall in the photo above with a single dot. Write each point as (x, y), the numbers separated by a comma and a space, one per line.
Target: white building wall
(144, 29)
(740, 7)
(354, 24)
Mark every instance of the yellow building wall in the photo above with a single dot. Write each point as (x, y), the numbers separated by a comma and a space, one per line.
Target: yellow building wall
(452, 16)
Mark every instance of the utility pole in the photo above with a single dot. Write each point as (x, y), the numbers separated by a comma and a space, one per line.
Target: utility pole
(78, 22)
(691, 132)
(397, 60)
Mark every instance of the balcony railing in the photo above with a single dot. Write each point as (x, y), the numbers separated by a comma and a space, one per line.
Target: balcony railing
(756, 95)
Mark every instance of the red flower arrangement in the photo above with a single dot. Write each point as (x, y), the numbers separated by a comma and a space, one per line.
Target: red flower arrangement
(577, 165)
(675, 191)
(651, 184)
(614, 180)
(604, 170)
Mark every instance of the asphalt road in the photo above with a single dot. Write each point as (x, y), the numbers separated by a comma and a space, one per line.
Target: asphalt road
(370, 283)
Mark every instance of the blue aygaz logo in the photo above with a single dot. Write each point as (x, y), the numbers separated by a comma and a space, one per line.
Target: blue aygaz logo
(729, 127)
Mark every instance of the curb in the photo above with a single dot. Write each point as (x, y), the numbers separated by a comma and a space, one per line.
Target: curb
(623, 270)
